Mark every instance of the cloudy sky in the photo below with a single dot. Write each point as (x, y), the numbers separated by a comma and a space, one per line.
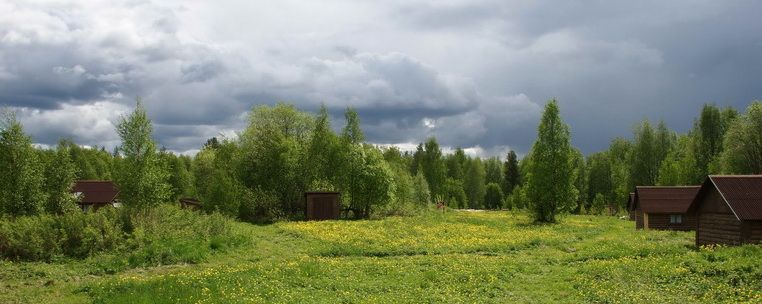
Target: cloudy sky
(474, 74)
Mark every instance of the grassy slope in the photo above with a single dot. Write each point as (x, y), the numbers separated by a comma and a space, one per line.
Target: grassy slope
(457, 257)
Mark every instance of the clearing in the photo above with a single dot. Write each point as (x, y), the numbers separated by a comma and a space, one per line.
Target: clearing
(458, 257)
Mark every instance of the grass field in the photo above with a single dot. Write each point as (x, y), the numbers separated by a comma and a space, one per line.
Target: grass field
(458, 257)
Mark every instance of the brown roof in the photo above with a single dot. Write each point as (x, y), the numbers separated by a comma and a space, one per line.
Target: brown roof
(673, 199)
(94, 192)
(743, 193)
(191, 201)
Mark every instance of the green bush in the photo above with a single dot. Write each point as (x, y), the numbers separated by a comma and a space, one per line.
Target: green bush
(162, 235)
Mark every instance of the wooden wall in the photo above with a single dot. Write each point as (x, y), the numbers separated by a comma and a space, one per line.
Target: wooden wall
(638, 219)
(754, 232)
(661, 222)
(716, 222)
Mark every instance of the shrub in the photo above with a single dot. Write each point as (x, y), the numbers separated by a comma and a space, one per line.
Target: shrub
(161, 235)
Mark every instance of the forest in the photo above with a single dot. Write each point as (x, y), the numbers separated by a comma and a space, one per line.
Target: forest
(559, 207)
(260, 175)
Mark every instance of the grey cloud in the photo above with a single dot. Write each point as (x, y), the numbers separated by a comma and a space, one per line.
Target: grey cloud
(473, 73)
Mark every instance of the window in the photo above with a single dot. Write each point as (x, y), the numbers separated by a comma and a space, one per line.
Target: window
(676, 219)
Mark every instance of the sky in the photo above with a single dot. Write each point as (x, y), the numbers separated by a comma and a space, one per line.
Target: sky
(475, 74)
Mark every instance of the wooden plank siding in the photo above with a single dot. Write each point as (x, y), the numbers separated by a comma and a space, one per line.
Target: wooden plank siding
(662, 222)
(755, 232)
(718, 228)
(638, 219)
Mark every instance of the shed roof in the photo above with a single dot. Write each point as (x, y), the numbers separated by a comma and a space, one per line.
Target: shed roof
(672, 199)
(94, 192)
(742, 193)
(192, 201)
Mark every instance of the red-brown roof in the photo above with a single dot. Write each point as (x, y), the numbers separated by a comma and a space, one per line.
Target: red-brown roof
(673, 199)
(743, 193)
(94, 192)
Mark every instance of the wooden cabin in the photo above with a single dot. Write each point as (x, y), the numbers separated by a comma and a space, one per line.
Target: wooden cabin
(664, 208)
(322, 205)
(631, 206)
(190, 203)
(92, 195)
(728, 209)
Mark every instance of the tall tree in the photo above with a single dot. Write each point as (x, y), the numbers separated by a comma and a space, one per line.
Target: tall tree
(580, 177)
(493, 196)
(21, 180)
(474, 183)
(619, 155)
(142, 181)
(512, 176)
(743, 143)
(709, 131)
(352, 131)
(551, 180)
(272, 152)
(433, 167)
(493, 169)
(59, 178)
(599, 178)
(322, 156)
(645, 156)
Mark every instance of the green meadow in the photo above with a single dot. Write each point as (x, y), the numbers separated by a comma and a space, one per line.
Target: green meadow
(456, 257)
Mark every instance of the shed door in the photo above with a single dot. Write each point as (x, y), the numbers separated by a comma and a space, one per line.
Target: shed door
(323, 207)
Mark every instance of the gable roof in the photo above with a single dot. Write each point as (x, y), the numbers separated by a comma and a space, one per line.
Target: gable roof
(94, 192)
(672, 199)
(742, 193)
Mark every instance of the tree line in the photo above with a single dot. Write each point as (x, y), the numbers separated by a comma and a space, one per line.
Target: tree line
(261, 174)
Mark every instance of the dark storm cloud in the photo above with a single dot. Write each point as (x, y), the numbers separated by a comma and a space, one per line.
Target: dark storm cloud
(472, 73)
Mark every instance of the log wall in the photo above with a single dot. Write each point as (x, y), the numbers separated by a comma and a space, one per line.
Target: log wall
(662, 222)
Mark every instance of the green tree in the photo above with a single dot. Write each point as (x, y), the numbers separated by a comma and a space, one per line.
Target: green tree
(421, 192)
(599, 204)
(710, 132)
(512, 175)
(60, 174)
(352, 132)
(142, 180)
(21, 181)
(645, 156)
(474, 183)
(551, 180)
(619, 156)
(599, 178)
(454, 193)
(273, 149)
(322, 156)
(433, 166)
(493, 197)
(743, 143)
(580, 177)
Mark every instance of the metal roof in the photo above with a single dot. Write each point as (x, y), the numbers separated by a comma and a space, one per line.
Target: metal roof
(94, 192)
(672, 199)
(743, 193)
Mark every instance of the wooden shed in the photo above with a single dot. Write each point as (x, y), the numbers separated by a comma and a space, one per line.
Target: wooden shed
(728, 209)
(631, 206)
(664, 208)
(190, 203)
(322, 205)
(92, 194)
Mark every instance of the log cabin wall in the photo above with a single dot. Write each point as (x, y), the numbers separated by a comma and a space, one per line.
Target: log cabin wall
(663, 222)
(754, 229)
(716, 222)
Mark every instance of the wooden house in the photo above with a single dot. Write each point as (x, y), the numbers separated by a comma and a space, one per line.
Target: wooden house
(728, 209)
(92, 195)
(664, 208)
(322, 205)
(190, 203)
